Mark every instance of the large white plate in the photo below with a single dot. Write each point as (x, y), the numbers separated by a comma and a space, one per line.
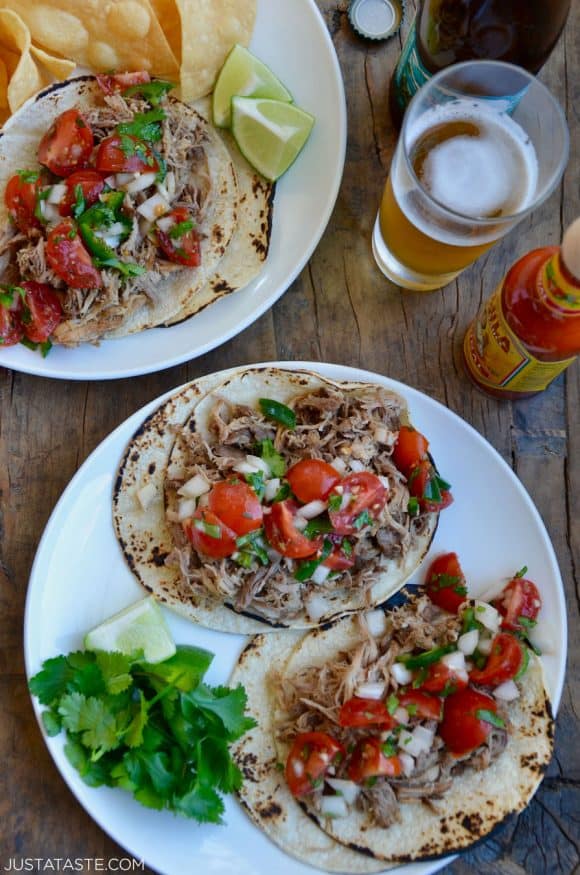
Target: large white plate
(286, 33)
(79, 577)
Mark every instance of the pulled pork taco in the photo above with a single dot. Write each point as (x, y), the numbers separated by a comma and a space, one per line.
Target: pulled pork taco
(382, 734)
(284, 502)
(119, 205)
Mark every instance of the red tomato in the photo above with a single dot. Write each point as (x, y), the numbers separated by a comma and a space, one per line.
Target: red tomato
(445, 584)
(44, 311)
(365, 712)
(283, 534)
(120, 81)
(202, 527)
(366, 492)
(69, 259)
(312, 479)
(368, 761)
(184, 248)
(442, 679)
(91, 184)
(311, 755)
(423, 705)
(410, 448)
(67, 146)
(125, 154)
(237, 505)
(11, 330)
(503, 663)
(462, 729)
(417, 483)
(339, 560)
(520, 598)
(20, 200)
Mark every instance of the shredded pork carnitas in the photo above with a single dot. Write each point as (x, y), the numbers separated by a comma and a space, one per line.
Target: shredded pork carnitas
(310, 701)
(359, 428)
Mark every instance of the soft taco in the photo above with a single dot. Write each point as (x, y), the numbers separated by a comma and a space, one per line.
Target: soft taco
(282, 503)
(121, 202)
(379, 734)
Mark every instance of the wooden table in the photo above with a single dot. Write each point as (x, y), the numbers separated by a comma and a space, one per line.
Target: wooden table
(339, 310)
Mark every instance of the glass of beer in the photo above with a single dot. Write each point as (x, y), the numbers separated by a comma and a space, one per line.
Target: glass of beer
(482, 144)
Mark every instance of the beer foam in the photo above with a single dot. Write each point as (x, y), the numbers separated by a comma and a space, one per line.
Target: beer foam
(486, 176)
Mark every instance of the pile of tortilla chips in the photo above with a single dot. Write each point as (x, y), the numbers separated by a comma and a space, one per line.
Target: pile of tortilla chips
(185, 41)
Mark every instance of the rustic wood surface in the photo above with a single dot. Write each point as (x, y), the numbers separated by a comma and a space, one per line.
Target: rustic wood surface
(340, 310)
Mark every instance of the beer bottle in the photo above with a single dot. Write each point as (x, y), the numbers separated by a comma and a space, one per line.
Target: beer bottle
(528, 332)
(445, 32)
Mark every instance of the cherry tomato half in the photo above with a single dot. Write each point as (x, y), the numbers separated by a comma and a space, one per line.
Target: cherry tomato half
(119, 81)
(503, 663)
(369, 761)
(340, 559)
(283, 534)
(410, 448)
(310, 757)
(11, 329)
(520, 600)
(91, 185)
(125, 154)
(440, 678)
(209, 535)
(366, 493)
(237, 506)
(422, 704)
(365, 712)
(67, 146)
(181, 242)
(20, 199)
(462, 729)
(445, 584)
(44, 311)
(418, 482)
(312, 479)
(69, 259)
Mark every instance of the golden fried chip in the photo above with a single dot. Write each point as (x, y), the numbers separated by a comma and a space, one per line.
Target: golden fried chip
(60, 68)
(21, 74)
(110, 35)
(210, 28)
(168, 17)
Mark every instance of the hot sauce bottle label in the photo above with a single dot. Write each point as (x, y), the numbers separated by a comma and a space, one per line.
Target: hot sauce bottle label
(496, 358)
(559, 293)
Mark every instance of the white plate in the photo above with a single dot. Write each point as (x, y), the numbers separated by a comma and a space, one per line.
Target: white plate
(79, 577)
(286, 33)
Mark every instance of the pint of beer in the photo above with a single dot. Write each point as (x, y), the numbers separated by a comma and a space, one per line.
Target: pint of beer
(482, 144)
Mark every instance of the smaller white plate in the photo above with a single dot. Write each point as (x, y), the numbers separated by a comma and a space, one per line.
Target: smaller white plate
(286, 33)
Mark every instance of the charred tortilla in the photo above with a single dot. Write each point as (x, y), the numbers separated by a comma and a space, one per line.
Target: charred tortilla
(477, 802)
(159, 554)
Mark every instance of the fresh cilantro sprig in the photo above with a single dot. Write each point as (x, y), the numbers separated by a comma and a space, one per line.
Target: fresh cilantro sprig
(155, 730)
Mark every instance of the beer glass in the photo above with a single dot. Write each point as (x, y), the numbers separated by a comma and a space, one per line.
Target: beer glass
(482, 144)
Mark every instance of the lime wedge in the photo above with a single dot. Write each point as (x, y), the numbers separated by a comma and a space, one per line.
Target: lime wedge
(244, 75)
(269, 134)
(139, 627)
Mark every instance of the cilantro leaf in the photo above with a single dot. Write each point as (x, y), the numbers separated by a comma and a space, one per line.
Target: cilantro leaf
(52, 681)
(114, 668)
(227, 704)
(202, 803)
(273, 459)
(133, 736)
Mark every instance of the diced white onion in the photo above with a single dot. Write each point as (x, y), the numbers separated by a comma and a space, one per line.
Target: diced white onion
(153, 207)
(175, 471)
(376, 623)
(385, 481)
(508, 691)
(339, 465)
(122, 179)
(333, 806)
(194, 487)
(370, 690)
(111, 181)
(273, 555)
(170, 183)
(117, 228)
(485, 642)
(313, 508)
(57, 193)
(245, 468)
(146, 495)
(272, 487)
(111, 241)
(356, 466)
(487, 615)
(186, 508)
(203, 500)
(163, 191)
(408, 763)
(455, 661)
(165, 223)
(300, 522)
(401, 715)
(347, 789)
(320, 574)
(430, 775)
(416, 742)
(401, 673)
(381, 434)
(468, 642)
(346, 496)
(259, 464)
(50, 212)
(297, 767)
(316, 606)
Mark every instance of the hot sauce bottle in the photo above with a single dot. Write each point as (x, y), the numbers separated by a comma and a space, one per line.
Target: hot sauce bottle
(528, 332)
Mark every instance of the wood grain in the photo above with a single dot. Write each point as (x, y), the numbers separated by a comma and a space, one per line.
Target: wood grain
(340, 309)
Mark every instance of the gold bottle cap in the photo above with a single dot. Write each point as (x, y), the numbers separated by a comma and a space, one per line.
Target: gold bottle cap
(376, 19)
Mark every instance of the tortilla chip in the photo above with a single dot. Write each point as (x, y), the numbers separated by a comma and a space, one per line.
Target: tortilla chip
(61, 68)
(210, 28)
(22, 76)
(126, 35)
(168, 17)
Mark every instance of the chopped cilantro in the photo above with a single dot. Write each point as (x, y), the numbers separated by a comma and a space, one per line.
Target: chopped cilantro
(392, 703)
(210, 529)
(527, 622)
(256, 481)
(273, 459)
(521, 572)
(363, 519)
(306, 569)
(413, 506)
(153, 91)
(79, 205)
(490, 717)
(334, 502)
(178, 230)
(283, 493)
(316, 527)
(28, 175)
(145, 125)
